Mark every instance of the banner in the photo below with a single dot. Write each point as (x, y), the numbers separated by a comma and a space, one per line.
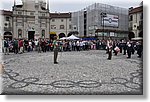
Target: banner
(110, 20)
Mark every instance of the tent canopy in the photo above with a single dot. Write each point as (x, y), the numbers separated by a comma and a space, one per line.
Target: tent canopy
(72, 37)
(63, 38)
(137, 38)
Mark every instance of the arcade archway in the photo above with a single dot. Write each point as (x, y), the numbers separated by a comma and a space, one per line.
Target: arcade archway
(52, 35)
(8, 35)
(72, 33)
(131, 35)
(141, 34)
(61, 35)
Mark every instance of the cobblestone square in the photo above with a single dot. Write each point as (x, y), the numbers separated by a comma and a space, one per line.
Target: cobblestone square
(83, 72)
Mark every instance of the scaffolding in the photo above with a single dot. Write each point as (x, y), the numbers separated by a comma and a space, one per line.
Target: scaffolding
(94, 20)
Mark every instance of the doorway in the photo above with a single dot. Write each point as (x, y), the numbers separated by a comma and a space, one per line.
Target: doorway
(31, 35)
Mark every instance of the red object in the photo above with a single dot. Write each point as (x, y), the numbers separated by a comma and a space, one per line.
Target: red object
(20, 43)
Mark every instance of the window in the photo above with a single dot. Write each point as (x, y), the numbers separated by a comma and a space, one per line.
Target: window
(7, 18)
(19, 23)
(62, 27)
(74, 28)
(53, 20)
(70, 27)
(43, 14)
(130, 18)
(32, 14)
(43, 25)
(43, 33)
(19, 13)
(134, 26)
(62, 20)
(19, 33)
(53, 26)
(6, 24)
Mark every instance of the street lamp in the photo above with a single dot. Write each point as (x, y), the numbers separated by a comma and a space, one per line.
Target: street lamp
(102, 18)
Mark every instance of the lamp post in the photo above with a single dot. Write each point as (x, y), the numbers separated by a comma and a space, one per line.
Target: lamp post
(102, 18)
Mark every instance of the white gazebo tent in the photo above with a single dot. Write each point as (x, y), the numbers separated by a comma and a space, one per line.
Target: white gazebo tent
(72, 37)
(137, 38)
(63, 38)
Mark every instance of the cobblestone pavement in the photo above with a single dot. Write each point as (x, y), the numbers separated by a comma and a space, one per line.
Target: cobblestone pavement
(85, 72)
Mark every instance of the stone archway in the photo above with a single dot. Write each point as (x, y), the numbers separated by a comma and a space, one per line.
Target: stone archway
(73, 33)
(131, 35)
(141, 34)
(62, 35)
(19, 33)
(43, 33)
(8, 35)
(52, 35)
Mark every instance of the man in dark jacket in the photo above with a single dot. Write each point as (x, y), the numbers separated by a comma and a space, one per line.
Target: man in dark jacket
(6, 46)
(139, 49)
(129, 49)
(124, 45)
(56, 49)
(15, 45)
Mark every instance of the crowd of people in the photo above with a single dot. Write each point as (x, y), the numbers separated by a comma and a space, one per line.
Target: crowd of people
(19, 46)
(125, 47)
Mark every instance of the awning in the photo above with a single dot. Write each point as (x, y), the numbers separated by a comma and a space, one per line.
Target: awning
(52, 33)
(88, 38)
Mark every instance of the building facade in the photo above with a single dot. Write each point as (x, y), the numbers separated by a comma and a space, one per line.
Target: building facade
(101, 20)
(60, 24)
(6, 24)
(136, 21)
(32, 20)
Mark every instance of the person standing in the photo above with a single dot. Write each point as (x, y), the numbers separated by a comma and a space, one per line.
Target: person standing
(124, 47)
(129, 49)
(21, 46)
(56, 49)
(139, 49)
(6, 46)
(36, 44)
(15, 45)
(29, 46)
(78, 45)
(26, 44)
(110, 47)
(39, 45)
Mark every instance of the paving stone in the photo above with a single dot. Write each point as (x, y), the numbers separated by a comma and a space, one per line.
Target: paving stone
(84, 72)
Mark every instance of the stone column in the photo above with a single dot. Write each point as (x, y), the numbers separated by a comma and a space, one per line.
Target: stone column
(37, 35)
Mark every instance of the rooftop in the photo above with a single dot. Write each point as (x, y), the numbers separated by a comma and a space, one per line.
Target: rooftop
(136, 10)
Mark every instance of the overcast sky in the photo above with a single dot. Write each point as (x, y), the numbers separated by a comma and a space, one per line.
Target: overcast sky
(75, 5)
